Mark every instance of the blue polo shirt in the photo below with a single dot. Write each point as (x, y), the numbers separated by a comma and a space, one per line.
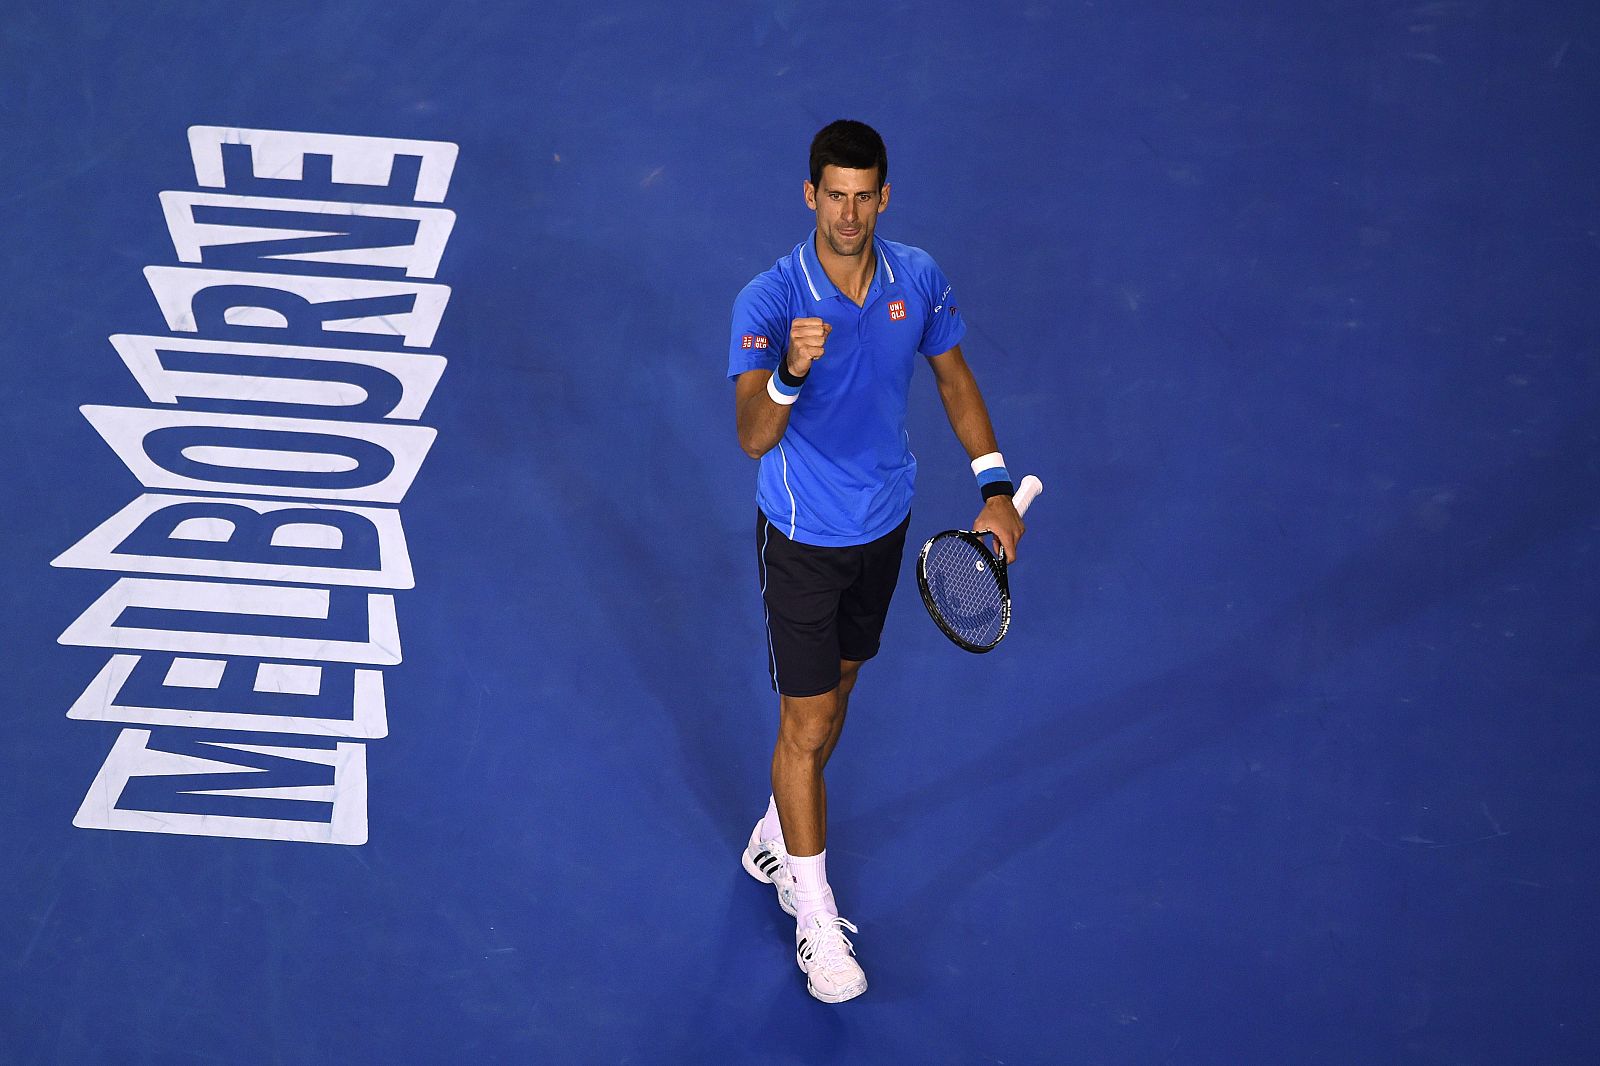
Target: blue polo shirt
(844, 473)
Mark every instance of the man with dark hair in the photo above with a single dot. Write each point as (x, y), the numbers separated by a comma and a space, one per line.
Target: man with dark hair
(848, 144)
(825, 415)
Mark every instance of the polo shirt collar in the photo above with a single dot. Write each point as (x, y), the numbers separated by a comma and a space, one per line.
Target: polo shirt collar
(822, 287)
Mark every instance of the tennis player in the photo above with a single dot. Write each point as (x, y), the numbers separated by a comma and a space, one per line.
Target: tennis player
(824, 345)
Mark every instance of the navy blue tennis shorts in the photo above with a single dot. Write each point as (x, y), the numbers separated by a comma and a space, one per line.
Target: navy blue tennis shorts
(823, 604)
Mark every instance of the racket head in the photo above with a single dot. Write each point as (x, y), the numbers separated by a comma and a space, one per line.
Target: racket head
(963, 586)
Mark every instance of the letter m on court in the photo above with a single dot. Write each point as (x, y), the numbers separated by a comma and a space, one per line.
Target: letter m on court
(172, 781)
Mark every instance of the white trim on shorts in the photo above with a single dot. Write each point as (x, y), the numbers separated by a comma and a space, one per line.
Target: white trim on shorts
(772, 652)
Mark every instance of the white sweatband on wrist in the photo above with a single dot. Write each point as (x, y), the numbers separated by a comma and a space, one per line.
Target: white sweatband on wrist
(781, 393)
(993, 478)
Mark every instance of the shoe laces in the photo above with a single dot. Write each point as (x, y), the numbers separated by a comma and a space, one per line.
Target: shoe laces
(827, 945)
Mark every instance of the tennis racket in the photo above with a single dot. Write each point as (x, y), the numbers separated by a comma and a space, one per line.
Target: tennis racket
(964, 584)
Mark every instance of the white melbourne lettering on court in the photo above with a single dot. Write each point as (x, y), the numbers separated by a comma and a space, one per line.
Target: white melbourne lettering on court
(250, 631)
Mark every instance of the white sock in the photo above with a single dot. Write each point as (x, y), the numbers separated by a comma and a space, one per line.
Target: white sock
(811, 891)
(771, 828)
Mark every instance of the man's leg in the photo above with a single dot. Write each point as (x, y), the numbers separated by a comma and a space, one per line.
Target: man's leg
(799, 796)
(800, 588)
(771, 825)
(808, 731)
(807, 727)
(803, 589)
(766, 856)
(848, 669)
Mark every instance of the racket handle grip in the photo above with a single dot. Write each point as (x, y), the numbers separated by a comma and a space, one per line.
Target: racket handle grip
(1030, 487)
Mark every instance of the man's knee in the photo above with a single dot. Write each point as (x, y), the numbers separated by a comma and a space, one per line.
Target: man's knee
(806, 722)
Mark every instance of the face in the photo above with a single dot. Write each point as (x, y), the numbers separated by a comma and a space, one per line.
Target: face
(847, 203)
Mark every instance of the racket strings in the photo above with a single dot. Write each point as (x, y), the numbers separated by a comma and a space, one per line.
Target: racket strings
(964, 589)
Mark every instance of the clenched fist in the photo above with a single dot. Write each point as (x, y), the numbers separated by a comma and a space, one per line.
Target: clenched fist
(806, 339)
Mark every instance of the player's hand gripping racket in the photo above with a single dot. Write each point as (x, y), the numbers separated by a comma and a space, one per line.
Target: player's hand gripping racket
(964, 585)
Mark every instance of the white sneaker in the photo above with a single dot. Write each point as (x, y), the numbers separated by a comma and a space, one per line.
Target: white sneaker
(767, 862)
(827, 958)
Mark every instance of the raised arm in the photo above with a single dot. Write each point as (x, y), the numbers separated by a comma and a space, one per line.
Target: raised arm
(969, 418)
(761, 412)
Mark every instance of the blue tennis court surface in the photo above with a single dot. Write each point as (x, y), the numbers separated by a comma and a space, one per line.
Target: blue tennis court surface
(383, 655)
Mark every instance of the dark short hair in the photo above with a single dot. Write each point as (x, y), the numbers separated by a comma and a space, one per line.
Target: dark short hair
(849, 144)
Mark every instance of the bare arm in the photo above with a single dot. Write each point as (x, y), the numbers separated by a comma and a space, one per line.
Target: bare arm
(969, 418)
(963, 403)
(760, 419)
(761, 422)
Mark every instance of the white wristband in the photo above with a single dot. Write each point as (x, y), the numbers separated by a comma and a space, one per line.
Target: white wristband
(778, 395)
(987, 462)
(993, 478)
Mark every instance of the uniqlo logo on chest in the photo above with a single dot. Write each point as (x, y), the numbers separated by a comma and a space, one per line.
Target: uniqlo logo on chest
(897, 310)
(761, 342)
(747, 341)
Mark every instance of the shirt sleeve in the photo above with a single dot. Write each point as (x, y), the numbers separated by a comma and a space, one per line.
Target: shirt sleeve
(760, 329)
(944, 327)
